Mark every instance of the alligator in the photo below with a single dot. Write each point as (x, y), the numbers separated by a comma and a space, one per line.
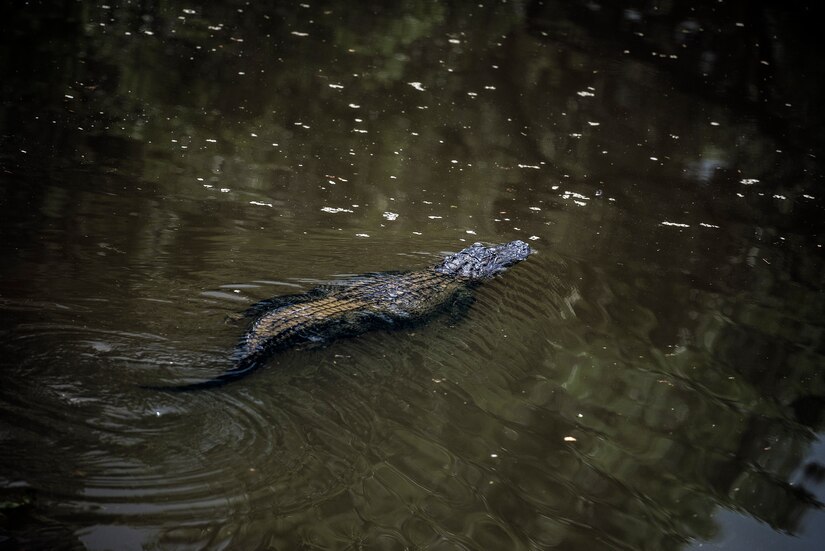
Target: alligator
(366, 302)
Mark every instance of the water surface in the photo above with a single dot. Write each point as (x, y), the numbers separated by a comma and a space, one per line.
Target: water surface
(651, 378)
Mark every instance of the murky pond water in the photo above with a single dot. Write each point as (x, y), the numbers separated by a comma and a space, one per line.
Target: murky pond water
(651, 378)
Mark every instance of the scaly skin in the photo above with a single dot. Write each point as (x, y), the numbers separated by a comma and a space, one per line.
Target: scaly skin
(382, 300)
(400, 297)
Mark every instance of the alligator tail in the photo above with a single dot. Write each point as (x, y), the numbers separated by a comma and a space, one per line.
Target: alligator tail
(242, 368)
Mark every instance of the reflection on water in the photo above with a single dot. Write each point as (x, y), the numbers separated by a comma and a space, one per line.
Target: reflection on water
(649, 379)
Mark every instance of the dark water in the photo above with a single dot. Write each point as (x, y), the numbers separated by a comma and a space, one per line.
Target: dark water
(652, 378)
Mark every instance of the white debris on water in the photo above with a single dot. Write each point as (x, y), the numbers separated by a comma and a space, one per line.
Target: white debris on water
(298, 33)
(535, 208)
(748, 181)
(591, 123)
(573, 195)
(706, 225)
(361, 235)
(336, 86)
(434, 217)
(417, 85)
(585, 94)
(211, 140)
(335, 210)
(390, 215)
(471, 232)
(778, 196)
(261, 204)
(676, 224)
(534, 238)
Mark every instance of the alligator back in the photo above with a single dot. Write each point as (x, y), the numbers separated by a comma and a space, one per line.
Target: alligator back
(352, 308)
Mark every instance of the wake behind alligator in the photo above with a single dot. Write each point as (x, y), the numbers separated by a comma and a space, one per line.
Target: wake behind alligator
(371, 301)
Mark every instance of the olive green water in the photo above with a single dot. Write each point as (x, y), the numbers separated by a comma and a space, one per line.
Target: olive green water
(651, 378)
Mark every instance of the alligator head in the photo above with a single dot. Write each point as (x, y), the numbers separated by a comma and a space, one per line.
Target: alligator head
(480, 262)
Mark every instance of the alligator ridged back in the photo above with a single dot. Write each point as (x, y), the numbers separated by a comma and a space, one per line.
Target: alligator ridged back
(385, 297)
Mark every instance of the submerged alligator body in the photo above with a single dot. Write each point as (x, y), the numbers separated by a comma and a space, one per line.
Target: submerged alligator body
(371, 301)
